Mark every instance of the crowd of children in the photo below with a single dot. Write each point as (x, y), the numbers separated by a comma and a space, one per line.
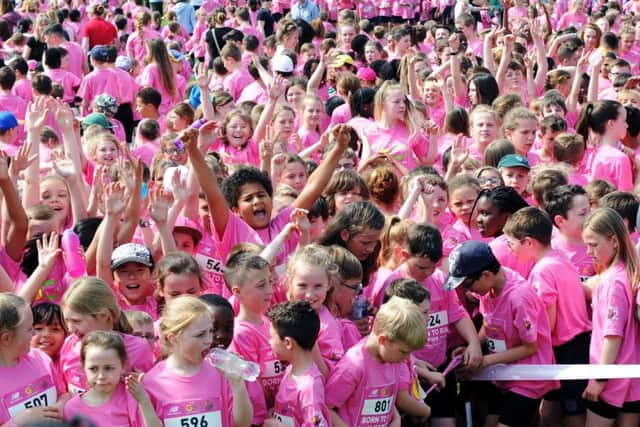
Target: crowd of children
(370, 200)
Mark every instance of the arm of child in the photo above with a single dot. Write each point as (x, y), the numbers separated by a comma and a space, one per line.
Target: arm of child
(35, 118)
(276, 90)
(512, 355)
(114, 206)
(14, 215)
(202, 77)
(242, 407)
(610, 349)
(576, 83)
(504, 60)
(159, 203)
(472, 355)
(594, 72)
(487, 51)
(414, 92)
(459, 86)
(321, 176)
(135, 388)
(537, 32)
(133, 209)
(336, 421)
(320, 362)
(215, 199)
(65, 167)
(48, 252)
(415, 189)
(411, 406)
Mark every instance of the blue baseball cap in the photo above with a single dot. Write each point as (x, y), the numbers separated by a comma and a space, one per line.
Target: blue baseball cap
(466, 259)
(100, 53)
(7, 120)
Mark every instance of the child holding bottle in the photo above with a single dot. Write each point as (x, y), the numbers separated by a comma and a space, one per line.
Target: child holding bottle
(184, 387)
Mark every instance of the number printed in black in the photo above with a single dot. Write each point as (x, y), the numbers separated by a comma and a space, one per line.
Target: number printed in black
(434, 320)
(37, 401)
(381, 406)
(194, 422)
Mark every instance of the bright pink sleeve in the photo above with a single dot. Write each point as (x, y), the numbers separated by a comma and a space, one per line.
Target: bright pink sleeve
(342, 383)
(544, 284)
(617, 307)
(312, 403)
(525, 320)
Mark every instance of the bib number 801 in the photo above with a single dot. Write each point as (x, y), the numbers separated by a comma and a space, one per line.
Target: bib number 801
(194, 422)
(382, 406)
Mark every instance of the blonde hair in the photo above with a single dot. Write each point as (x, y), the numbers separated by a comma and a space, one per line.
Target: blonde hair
(138, 318)
(410, 119)
(315, 255)
(91, 296)
(94, 142)
(515, 116)
(608, 223)
(11, 309)
(394, 235)
(400, 320)
(177, 315)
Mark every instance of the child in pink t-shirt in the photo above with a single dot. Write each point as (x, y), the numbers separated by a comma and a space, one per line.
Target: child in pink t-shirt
(113, 398)
(462, 192)
(239, 77)
(520, 127)
(185, 386)
(568, 206)
(294, 328)
(249, 279)
(309, 274)
(556, 280)
(362, 388)
(24, 368)
(515, 330)
(615, 330)
(90, 305)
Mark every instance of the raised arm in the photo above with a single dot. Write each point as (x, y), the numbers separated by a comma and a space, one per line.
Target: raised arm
(207, 179)
(48, 253)
(321, 176)
(16, 219)
(505, 59)
(276, 90)
(202, 77)
(114, 207)
(537, 33)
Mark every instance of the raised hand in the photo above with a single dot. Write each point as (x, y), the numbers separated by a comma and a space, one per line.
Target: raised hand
(64, 116)
(37, 112)
(300, 218)
(159, 203)
(277, 87)
(114, 199)
(202, 75)
(21, 160)
(48, 249)
(63, 166)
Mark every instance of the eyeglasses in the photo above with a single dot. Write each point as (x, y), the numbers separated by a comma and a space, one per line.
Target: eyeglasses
(511, 244)
(355, 288)
(493, 180)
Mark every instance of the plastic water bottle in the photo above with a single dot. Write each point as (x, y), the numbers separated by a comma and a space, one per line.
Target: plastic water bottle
(73, 259)
(233, 364)
(360, 307)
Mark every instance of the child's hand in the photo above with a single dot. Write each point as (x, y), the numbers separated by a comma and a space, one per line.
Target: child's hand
(114, 199)
(36, 415)
(64, 117)
(202, 75)
(159, 203)
(133, 382)
(63, 166)
(417, 184)
(266, 145)
(189, 137)
(434, 377)
(342, 135)
(48, 250)
(179, 186)
(278, 163)
(593, 390)
(277, 87)
(21, 160)
(37, 113)
(300, 218)
(297, 142)
(459, 152)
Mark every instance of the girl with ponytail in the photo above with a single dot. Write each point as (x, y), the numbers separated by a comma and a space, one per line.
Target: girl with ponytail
(90, 305)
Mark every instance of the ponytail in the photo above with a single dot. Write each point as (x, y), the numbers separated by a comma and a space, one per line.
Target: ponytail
(582, 125)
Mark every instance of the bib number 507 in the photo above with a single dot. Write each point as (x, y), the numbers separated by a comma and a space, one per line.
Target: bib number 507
(41, 400)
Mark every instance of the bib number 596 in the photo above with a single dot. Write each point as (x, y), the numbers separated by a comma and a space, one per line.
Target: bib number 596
(194, 422)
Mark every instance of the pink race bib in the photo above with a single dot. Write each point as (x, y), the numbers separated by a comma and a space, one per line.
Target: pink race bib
(39, 393)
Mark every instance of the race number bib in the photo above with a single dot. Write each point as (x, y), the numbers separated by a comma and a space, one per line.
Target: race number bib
(377, 406)
(193, 413)
(495, 345)
(211, 265)
(287, 421)
(438, 319)
(273, 368)
(41, 393)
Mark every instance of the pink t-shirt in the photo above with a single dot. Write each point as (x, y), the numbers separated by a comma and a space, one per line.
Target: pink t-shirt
(556, 280)
(506, 257)
(150, 77)
(612, 165)
(251, 342)
(613, 315)
(376, 288)
(139, 357)
(445, 311)
(23, 89)
(342, 114)
(145, 152)
(514, 317)
(300, 401)
(254, 92)
(14, 104)
(121, 410)
(231, 155)
(33, 381)
(329, 338)
(99, 81)
(276, 225)
(236, 81)
(576, 253)
(395, 142)
(363, 390)
(67, 80)
(205, 396)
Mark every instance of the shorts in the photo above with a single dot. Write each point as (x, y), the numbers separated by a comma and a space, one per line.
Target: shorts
(603, 409)
(443, 402)
(569, 395)
(512, 409)
(631, 407)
